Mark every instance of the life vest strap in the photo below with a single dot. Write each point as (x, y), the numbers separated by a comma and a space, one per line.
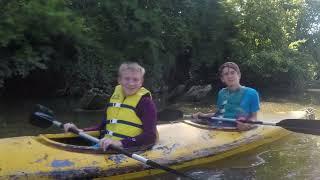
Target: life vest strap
(104, 132)
(118, 121)
(121, 105)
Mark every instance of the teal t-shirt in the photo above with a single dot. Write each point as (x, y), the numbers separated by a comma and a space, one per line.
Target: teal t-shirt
(241, 102)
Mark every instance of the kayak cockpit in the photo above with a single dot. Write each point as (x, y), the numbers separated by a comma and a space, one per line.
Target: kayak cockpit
(74, 143)
(69, 142)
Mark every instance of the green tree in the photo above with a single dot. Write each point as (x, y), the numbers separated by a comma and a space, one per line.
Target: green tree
(34, 34)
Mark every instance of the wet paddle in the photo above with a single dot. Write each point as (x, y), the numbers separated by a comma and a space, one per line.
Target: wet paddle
(44, 118)
(305, 126)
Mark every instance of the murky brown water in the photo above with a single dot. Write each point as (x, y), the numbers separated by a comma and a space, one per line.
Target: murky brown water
(293, 157)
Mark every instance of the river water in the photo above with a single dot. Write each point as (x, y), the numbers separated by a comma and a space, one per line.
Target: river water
(293, 157)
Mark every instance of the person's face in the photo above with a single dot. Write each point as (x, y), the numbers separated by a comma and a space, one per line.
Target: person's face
(131, 81)
(230, 77)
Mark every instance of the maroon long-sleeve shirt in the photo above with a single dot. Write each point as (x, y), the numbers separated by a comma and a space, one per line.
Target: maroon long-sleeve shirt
(146, 111)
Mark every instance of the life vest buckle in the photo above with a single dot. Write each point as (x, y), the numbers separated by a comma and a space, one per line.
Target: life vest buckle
(117, 105)
(109, 132)
(114, 121)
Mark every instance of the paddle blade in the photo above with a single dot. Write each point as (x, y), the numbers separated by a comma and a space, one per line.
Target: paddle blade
(305, 126)
(43, 109)
(39, 121)
(41, 116)
(170, 115)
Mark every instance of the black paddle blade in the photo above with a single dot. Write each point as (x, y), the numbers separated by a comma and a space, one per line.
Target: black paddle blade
(41, 116)
(305, 126)
(39, 121)
(169, 115)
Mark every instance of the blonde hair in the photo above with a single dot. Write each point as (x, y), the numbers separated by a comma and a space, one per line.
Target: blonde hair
(133, 66)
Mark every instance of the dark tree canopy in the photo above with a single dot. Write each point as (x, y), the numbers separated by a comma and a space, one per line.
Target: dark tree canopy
(78, 44)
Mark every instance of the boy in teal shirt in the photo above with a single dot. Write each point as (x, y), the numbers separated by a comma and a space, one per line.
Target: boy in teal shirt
(235, 101)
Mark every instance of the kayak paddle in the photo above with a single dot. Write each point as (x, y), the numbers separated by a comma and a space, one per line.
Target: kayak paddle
(43, 117)
(305, 126)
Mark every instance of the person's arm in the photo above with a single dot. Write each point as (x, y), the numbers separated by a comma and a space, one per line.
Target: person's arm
(201, 114)
(146, 111)
(253, 116)
(208, 115)
(68, 126)
(254, 105)
(96, 127)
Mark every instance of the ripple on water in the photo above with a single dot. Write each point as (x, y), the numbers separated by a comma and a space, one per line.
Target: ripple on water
(207, 174)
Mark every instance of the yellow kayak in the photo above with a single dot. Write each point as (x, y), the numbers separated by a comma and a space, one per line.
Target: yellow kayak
(181, 144)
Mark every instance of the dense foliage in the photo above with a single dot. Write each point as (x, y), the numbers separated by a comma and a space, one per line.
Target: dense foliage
(80, 43)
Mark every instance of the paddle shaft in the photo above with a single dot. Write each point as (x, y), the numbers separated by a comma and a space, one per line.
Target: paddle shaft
(116, 148)
(249, 122)
(305, 126)
(233, 120)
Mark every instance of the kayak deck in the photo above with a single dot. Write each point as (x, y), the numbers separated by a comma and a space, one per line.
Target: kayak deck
(180, 145)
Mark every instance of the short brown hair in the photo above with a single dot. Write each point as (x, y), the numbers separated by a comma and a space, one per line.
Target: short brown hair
(229, 65)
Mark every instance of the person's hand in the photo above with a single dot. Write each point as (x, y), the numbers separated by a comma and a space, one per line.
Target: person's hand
(106, 142)
(67, 126)
(198, 115)
(241, 125)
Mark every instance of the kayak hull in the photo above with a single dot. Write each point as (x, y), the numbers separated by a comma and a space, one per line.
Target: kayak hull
(180, 145)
